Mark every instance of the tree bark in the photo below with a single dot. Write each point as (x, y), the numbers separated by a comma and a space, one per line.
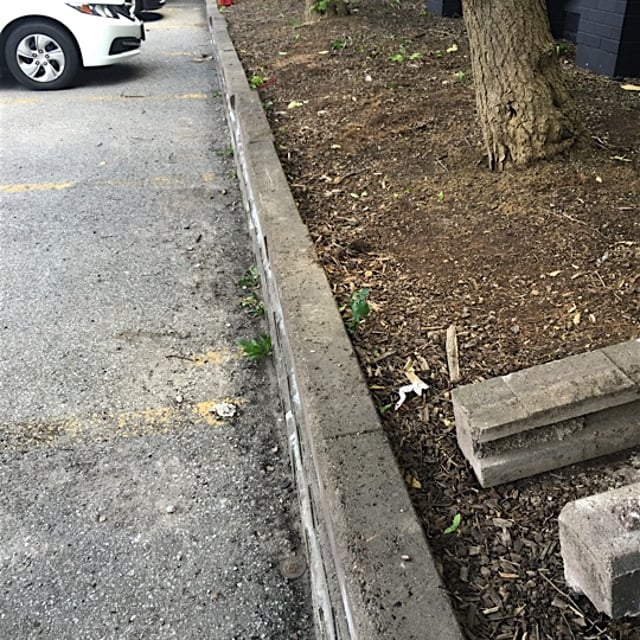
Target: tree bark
(333, 8)
(525, 110)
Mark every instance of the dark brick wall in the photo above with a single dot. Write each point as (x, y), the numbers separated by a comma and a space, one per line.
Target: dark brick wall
(606, 32)
(448, 8)
(599, 35)
(629, 53)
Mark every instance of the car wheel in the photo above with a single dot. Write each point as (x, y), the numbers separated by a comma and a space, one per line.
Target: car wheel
(41, 55)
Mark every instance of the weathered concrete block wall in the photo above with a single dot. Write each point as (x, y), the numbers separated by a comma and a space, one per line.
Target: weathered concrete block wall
(551, 415)
(600, 545)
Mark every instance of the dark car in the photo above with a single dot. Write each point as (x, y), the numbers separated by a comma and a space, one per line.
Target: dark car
(140, 6)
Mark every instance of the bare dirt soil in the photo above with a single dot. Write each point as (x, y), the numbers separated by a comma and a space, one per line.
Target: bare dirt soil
(374, 120)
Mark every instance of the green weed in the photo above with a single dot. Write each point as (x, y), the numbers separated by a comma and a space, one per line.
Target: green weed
(253, 305)
(250, 279)
(457, 519)
(321, 6)
(359, 308)
(256, 81)
(403, 56)
(257, 349)
(227, 152)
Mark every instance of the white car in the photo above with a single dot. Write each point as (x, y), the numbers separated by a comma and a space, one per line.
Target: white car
(45, 43)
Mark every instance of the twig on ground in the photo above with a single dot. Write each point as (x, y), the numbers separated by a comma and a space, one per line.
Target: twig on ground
(453, 361)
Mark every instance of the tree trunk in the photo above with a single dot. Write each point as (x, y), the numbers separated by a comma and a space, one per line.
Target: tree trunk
(525, 110)
(332, 8)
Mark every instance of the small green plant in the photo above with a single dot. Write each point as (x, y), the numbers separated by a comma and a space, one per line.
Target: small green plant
(440, 197)
(403, 56)
(561, 49)
(227, 152)
(455, 524)
(250, 279)
(338, 45)
(359, 307)
(460, 75)
(253, 305)
(257, 349)
(296, 37)
(321, 6)
(256, 81)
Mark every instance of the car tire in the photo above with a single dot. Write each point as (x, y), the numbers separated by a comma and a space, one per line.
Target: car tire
(138, 8)
(41, 55)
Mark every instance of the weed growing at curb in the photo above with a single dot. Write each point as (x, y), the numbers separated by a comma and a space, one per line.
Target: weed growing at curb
(256, 81)
(250, 279)
(227, 152)
(257, 349)
(253, 305)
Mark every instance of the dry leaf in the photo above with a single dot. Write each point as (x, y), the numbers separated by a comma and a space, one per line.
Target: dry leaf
(630, 87)
(412, 481)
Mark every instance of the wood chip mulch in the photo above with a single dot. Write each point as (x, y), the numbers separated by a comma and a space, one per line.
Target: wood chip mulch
(373, 115)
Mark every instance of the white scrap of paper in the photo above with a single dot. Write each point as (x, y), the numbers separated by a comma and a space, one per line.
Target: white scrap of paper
(417, 387)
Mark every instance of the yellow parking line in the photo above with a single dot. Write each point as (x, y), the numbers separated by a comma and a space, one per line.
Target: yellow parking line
(20, 100)
(60, 186)
(124, 96)
(111, 426)
(42, 186)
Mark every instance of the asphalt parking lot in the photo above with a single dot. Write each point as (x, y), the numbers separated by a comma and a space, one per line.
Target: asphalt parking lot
(128, 507)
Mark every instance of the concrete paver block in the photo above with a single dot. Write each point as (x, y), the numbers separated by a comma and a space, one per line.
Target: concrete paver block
(550, 415)
(626, 356)
(600, 544)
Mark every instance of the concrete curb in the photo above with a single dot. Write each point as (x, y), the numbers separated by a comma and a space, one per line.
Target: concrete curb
(372, 573)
